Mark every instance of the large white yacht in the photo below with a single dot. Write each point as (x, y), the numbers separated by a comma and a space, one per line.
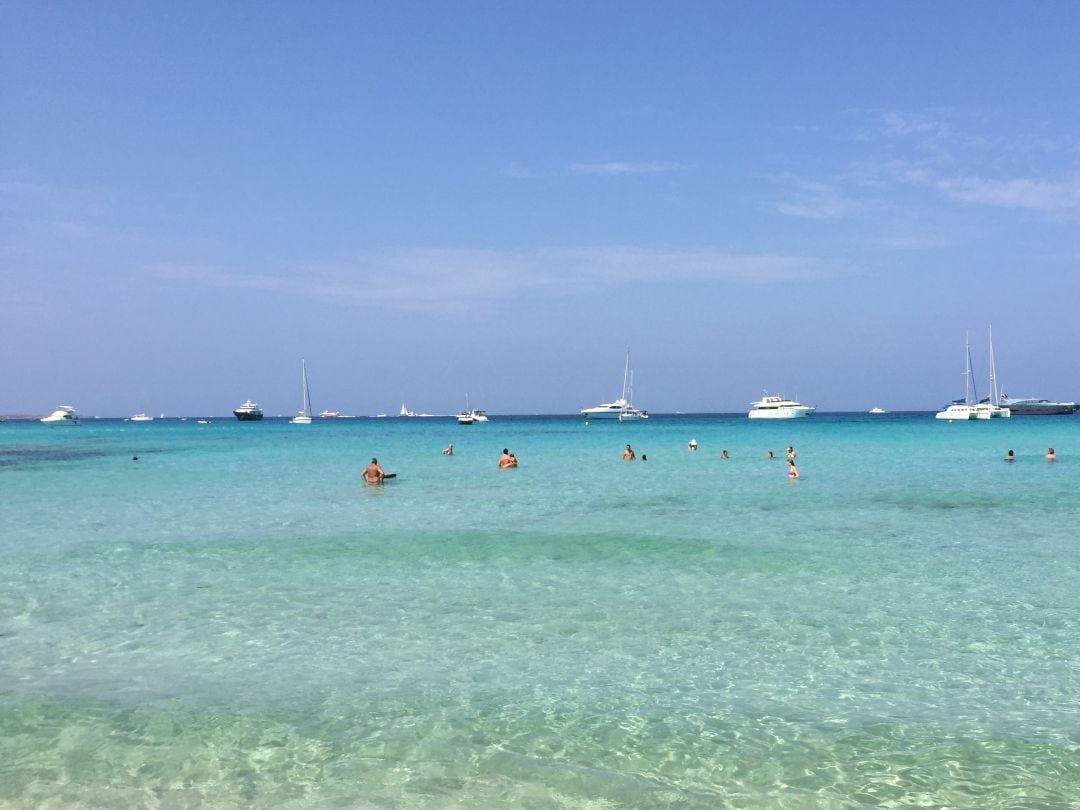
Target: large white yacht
(63, 415)
(141, 417)
(776, 407)
(622, 408)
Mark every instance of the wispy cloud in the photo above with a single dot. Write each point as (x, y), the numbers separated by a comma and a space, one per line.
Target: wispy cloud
(428, 278)
(614, 168)
(815, 200)
(1059, 198)
(913, 163)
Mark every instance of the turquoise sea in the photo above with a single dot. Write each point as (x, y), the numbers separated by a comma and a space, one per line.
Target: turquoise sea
(234, 621)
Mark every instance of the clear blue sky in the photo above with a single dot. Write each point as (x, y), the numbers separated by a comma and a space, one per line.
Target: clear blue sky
(426, 200)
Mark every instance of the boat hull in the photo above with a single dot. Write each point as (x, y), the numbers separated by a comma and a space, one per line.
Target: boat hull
(247, 416)
(781, 413)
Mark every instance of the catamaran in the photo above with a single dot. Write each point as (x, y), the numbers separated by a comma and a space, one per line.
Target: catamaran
(304, 417)
(622, 408)
(962, 410)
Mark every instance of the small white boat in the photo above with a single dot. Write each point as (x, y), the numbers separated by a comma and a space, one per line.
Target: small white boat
(406, 412)
(878, 410)
(141, 417)
(304, 417)
(470, 416)
(621, 409)
(63, 415)
(203, 421)
(776, 407)
(330, 415)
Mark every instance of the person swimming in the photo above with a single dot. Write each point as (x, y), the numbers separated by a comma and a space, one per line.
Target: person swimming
(449, 451)
(507, 460)
(1010, 456)
(793, 471)
(691, 445)
(1050, 454)
(628, 454)
(791, 452)
(724, 455)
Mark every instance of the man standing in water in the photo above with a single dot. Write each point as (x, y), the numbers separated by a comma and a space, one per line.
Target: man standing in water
(373, 473)
(507, 460)
(628, 454)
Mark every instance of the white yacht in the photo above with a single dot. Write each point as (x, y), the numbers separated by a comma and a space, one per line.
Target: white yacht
(141, 417)
(63, 415)
(471, 417)
(304, 417)
(878, 410)
(622, 408)
(330, 415)
(406, 412)
(776, 407)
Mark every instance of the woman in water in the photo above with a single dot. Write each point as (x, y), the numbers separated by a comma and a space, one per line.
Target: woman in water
(792, 470)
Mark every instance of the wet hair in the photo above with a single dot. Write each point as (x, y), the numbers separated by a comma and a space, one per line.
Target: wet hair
(374, 461)
(507, 452)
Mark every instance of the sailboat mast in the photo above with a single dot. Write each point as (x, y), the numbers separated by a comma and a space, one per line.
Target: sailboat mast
(968, 386)
(626, 376)
(993, 372)
(306, 392)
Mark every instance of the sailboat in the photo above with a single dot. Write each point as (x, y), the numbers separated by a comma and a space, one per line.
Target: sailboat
(961, 409)
(991, 408)
(970, 407)
(304, 417)
(622, 408)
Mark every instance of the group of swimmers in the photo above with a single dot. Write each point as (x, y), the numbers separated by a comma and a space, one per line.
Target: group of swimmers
(374, 474)
(1050, 455)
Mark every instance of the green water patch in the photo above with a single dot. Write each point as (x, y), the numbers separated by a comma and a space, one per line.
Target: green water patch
(543, 750)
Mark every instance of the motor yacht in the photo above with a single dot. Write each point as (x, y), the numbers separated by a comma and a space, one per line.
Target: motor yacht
(776, 407)
(1029, 406)
(248, 412)
(63, 415)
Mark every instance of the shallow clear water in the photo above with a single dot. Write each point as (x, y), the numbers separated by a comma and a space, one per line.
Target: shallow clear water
(233, 620)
